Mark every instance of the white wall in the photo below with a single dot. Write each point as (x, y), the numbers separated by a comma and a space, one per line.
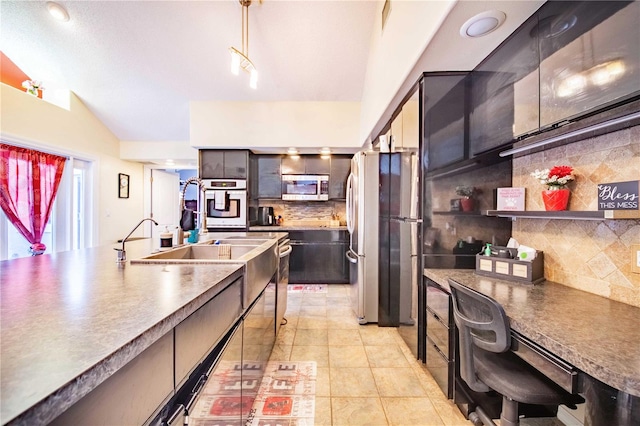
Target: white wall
(393, 53)
(274, 124)
(77, 132)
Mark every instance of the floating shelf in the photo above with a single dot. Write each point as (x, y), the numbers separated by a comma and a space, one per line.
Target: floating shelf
(458, 213)
(567, 214)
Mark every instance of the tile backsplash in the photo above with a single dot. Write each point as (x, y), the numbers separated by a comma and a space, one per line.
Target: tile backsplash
(593, 256)
(301, 210)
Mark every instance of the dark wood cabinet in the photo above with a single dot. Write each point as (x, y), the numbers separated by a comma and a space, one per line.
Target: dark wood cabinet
(444, 118)
(340, 169)
(269, 181)
(223, 164)
(319, 257)
(305, 165)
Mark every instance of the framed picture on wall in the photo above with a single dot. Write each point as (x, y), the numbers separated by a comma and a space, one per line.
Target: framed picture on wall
(123, 185)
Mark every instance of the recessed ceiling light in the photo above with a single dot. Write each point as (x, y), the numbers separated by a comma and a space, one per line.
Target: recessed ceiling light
(482, 24)
(57, 11)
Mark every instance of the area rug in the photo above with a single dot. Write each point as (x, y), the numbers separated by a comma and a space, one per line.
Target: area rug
(272, 393)
(307, 288)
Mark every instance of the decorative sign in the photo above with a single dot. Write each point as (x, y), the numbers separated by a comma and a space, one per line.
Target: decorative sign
(510, 199)
(619, 195)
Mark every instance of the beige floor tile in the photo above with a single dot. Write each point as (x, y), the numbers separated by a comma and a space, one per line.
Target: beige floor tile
(310, 337)
(338, 290)
(385, 356)
(397, 382)
(286, 335)
(322, 411)
(357, 411)
(347, 356)
(313, 311)
(323, 382)
(411, 411)
(339, 311)
(347, 322)
(312, 323)
(314, 300)
(338, 301)
(448, 412)
(319, 354)
(290, 320)
(344, 337)
(352, 382)
(373, 335)
(280, 352)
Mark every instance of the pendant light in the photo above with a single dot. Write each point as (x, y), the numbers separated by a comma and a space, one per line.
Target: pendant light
(240, 58)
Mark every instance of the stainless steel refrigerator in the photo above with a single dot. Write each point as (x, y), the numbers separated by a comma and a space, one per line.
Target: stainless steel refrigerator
(382, 219)
(398, 239)
(362, 223)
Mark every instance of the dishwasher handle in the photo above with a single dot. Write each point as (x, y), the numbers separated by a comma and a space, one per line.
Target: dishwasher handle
(284, 251)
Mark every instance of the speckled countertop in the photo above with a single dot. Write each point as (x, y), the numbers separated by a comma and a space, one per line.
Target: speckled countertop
(285, 228)
(70, 320)
(597, 335)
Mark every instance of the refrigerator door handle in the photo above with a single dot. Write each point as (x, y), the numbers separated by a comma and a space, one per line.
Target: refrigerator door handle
(351, 257)
(349, 204)
(410, 220)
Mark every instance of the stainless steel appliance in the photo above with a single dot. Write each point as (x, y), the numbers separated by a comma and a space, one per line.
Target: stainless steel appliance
(226, 203)
(398, 240)
(265, 216)
(362, 223)
(305, 187)
(284, 251)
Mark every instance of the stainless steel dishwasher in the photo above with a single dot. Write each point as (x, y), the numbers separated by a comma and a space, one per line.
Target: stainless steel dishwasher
(284, 251)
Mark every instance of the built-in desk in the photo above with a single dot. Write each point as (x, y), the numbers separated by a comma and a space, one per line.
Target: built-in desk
(595, 335)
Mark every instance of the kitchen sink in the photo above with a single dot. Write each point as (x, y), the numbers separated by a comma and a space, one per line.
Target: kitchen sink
(259, 256)
(206, 253)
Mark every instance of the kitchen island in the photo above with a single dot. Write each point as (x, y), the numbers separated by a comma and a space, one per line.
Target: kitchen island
(596, 335)
(71, 320)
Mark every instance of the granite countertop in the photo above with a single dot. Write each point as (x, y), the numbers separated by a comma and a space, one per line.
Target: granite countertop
(70, 320)
(286, 228)
(597, 335)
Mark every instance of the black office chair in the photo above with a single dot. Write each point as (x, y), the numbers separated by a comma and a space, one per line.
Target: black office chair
(486, 362)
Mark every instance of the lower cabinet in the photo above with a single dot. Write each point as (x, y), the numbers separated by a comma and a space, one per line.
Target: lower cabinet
(318, 257)
(440, 337)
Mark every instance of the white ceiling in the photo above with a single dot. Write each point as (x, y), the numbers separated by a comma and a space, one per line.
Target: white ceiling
(137, 64)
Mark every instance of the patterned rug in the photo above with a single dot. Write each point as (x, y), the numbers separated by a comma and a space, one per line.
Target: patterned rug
(307, 288)
(275, 393)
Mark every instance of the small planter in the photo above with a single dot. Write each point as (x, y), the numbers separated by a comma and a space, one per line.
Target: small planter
(556, 200)
(467, 204)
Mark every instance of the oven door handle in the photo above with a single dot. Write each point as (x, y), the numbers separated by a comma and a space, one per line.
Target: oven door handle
(350, 256)
(286, 251)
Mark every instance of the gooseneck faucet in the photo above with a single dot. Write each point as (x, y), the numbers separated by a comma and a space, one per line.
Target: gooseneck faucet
(122, 255)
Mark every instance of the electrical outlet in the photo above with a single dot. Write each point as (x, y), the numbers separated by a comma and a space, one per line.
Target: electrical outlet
(635, 258)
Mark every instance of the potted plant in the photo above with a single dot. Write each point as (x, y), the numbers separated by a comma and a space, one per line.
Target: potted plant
(467, 202)
(556, 196)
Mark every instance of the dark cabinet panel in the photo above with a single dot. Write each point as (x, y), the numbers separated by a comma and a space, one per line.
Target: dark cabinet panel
(505, 92)
(305, 165)
(340, 169)
(316, 165)
(269, 182)
(211, 164)
(292, 165)
(223, 164)
(319, 257)
(589, 56)
(444, 118)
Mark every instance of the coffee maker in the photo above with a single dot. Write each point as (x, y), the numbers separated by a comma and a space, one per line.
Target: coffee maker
(266, 216)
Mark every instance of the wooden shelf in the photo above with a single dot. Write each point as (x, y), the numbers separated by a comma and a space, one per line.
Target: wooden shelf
(567, 214)
(458, 213)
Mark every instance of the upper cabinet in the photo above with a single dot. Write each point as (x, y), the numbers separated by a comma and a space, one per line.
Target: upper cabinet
(340, 169)
(405, 126)
(269, 181)
(305, 165)
(223, 164)
(570, 60)
(444, 118)
(589, 57)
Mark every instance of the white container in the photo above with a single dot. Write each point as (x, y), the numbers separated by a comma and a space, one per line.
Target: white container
(166, 240)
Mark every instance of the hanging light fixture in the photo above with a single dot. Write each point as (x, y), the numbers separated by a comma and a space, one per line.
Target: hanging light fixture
(240, 59)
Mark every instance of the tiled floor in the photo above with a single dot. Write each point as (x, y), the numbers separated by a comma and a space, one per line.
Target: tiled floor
(366, 374)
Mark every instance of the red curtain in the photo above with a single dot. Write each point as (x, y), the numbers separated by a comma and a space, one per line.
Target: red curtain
(29, 182)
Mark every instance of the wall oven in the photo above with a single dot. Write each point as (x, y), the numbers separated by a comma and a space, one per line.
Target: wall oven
(226, 203)
(305, 187)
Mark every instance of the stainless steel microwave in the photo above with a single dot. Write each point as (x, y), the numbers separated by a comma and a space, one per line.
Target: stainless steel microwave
(305, 187)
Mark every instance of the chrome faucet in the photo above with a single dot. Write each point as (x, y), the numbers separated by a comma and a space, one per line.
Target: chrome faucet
(122, 255)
